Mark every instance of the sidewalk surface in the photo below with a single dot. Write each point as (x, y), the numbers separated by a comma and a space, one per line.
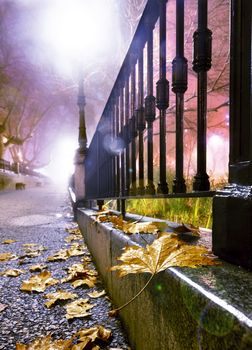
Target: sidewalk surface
(41, 216)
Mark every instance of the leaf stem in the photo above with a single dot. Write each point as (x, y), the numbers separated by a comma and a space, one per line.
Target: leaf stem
(115, 311)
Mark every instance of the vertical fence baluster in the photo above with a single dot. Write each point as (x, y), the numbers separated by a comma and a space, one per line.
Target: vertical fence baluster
(150, 112)
(162, 98)
(122, 141)
(201, 64)
(117, 156)
(127, 138)
(179, 86)
(113, 138)
(133, 128)
(140, 126)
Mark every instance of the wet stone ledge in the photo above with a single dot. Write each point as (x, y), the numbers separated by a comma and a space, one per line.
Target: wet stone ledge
(182, 308)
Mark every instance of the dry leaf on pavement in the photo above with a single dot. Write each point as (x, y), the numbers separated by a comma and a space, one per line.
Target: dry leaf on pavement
(9, 241)
(187, 229)
(7, 256)
(164, 252)
(78, 308)
(62, 254)
(46, 343)
(38, 283)
(12, 272)
(98, 332)
(71, 238)
(79, 275)
(60, 295)
(74, 231)
(96, 294)
(37, 267)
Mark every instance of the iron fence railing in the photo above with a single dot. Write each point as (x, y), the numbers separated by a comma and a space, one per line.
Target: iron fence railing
(18, 168)
(113, 168)
(4, 164)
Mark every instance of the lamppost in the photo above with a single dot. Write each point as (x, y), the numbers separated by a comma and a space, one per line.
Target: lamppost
(81, 152)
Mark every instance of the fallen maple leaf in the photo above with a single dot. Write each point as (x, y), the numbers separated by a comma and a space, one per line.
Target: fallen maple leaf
(144, 227)
(74, 231)
(186, 229)
(7, 256)
(46, 343)
(59, 295)
(37, 268)
(78, 308)
(71, 238)
(77, 249)
(78, 274)
(12, 273)
(62, 254)
(164, 252)
(98, 332)
(96, 294)
(38, 283)
(9, 241)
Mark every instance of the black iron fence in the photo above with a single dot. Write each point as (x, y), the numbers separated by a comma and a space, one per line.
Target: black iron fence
(115, 164)
(18, 168)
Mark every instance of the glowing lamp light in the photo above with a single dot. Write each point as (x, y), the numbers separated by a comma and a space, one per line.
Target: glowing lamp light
(61, 165)
(78, 29)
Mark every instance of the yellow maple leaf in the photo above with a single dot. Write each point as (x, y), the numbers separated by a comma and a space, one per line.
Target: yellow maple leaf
(38, 283)
(7, 256)
(96, 294)
(12, 272)
(60, 295)
(62, 254)
(37, 268)
(74, 231)
(46, 343)
(144, 227)
(98, 332)
(71, 238)
(9, 241)
(77, 249)
(78, 274)
(78, 308)
(164, 252)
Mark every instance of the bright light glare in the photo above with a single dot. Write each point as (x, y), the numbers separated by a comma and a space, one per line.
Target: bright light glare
(78, 29)
(215, 140)
(61, 165)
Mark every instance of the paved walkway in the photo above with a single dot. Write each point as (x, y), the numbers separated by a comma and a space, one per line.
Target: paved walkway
(40, 216)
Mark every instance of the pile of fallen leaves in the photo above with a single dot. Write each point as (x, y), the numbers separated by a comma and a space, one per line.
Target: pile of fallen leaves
(84, 339)
(78, 274)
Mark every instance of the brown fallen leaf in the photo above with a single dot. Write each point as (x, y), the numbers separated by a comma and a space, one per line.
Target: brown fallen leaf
(79, 275)
(3, 307)
(9, 241)
(62, 254)
(188, 229)
(71, 238)
(7, 256)
(78, 308)
(46, 343)
(37, 267)
(96, 294)
(74, 231)
(144, 227)
(60, 295)
(77, 249)
(164, 252)
(12, 272)
(38, 283)
(94, 333)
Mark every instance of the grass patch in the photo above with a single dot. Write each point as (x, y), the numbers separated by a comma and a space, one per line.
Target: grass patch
(196, 211)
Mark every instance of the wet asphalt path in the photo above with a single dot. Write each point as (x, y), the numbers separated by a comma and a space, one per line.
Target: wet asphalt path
(41, 215)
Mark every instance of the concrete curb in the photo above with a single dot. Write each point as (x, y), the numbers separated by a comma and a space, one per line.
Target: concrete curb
(175, 311)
